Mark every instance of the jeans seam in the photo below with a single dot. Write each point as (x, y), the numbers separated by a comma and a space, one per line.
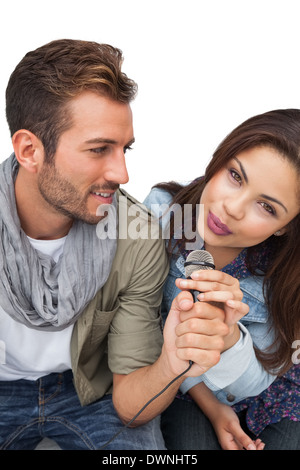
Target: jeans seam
(72, 427)
(44, 400)
(17, 433)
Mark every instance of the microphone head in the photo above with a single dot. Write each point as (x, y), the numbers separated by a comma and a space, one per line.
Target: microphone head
(196, 260)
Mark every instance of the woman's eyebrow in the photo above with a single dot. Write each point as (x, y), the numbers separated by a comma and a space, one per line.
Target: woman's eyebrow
(274, 200)
(242, 169)
(262, 195)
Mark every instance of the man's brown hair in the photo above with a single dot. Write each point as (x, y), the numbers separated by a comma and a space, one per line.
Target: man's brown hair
(43, 83)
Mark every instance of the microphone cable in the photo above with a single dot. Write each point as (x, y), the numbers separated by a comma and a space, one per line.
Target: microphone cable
(145, 406)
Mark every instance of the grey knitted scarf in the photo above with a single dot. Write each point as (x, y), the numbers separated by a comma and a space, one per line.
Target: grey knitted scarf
(36, 291)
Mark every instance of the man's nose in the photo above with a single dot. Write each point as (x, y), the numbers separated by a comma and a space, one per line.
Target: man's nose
(117, 170)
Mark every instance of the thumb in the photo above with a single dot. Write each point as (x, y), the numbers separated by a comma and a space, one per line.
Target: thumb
(183, 302)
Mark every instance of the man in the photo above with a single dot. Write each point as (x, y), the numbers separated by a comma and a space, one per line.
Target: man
(79, 312)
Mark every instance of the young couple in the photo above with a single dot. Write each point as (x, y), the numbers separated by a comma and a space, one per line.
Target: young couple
(80, 321)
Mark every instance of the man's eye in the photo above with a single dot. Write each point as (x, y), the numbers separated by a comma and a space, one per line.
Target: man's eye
(128, 147)
(99, 149)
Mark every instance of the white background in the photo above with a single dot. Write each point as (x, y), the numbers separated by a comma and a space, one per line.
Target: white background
(202, 66)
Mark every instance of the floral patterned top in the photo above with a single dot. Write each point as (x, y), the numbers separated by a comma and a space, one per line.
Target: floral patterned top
(281, 400)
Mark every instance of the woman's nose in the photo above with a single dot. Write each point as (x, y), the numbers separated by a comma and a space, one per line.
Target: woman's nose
(235, 207)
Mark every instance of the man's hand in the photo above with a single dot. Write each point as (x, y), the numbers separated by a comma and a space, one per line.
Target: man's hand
(193, 332)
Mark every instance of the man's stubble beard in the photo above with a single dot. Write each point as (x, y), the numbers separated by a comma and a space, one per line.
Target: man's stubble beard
(63, 196)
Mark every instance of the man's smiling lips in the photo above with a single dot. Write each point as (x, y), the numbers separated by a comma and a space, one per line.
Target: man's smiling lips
(103, 197)
(216, 226)
(105, 194)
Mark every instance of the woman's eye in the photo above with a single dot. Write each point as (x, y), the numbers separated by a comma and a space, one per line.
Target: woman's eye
(268, 208)
(234, 175)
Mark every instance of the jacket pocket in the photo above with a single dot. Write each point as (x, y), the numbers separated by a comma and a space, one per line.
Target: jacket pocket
(101, 323)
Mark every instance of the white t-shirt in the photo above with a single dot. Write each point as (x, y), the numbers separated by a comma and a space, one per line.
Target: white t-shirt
(27, 353)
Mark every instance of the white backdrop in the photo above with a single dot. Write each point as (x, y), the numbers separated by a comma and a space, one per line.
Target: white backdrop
(202, 66)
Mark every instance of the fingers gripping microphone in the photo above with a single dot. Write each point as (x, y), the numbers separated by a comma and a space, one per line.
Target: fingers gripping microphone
(196, 260)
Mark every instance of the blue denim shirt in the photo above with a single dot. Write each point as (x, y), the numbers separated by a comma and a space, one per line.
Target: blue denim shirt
(238, 374)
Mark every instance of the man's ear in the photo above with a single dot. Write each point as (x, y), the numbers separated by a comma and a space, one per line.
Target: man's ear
(28, 149)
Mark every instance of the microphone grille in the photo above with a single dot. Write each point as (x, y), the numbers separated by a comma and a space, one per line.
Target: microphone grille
(196, 260)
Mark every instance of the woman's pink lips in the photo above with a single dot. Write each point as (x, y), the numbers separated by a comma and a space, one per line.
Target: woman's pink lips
(216, 226)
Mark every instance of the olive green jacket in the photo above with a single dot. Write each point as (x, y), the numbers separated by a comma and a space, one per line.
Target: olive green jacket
(120, 330)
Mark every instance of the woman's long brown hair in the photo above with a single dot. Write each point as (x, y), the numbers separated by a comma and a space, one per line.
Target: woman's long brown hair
(280, 130)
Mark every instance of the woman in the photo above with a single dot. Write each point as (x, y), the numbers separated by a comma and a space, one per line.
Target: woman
(249, 221)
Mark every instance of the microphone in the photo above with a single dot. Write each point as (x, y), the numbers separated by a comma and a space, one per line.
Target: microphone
(197, 260)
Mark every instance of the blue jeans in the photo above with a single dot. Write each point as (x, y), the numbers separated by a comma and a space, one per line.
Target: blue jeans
(49, 407)
(185, 427)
